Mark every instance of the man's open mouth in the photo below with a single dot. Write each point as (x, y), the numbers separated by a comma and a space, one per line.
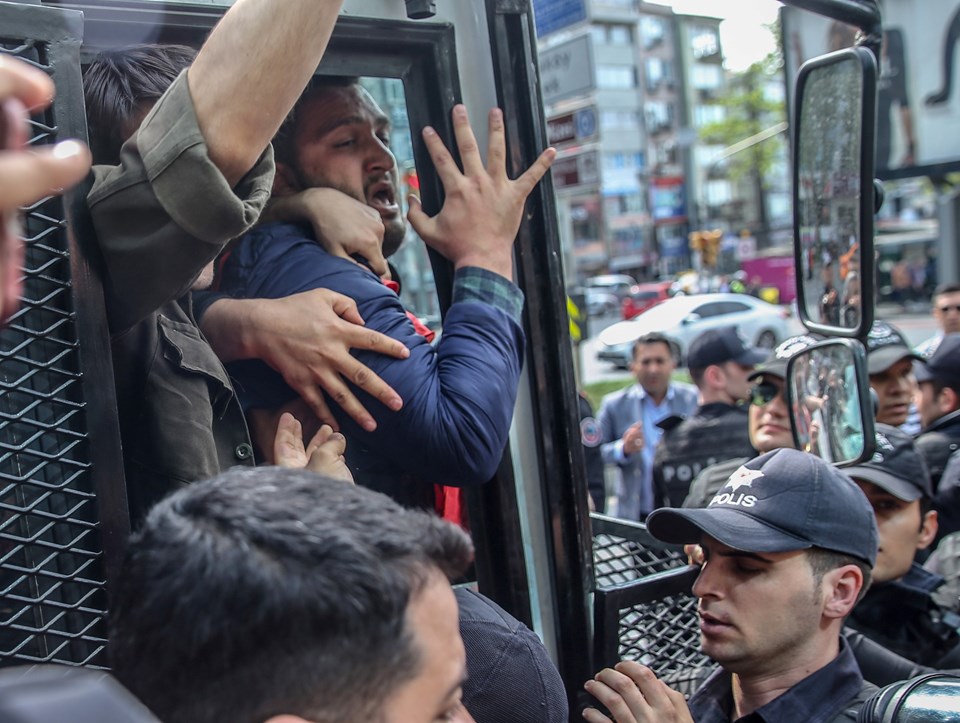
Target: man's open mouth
(382, 197)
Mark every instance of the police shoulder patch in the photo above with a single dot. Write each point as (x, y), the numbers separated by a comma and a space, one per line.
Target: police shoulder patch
(590, 432)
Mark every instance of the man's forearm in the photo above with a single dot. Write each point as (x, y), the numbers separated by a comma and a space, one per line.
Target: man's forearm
(251, 71)
(227, 324)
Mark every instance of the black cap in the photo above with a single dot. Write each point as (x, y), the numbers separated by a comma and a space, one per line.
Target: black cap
(720, 345)
(778, 502)
(942, 363)
(776, 364)
(885, 347)
(896, 466)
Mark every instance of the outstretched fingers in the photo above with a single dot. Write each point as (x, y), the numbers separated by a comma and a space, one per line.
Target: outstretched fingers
(531, 177)
(466, 142)
(496, 145)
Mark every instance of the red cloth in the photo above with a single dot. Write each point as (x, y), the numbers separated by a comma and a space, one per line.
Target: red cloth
(448, 500)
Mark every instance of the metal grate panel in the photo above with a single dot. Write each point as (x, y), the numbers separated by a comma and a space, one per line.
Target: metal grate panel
(52, 580)
(642, 598)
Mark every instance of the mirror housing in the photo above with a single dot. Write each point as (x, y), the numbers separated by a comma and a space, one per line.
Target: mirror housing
(833, 192)
(691, 318)
(828, 396)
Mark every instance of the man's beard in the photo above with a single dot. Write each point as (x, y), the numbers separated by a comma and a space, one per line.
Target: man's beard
(393, 231)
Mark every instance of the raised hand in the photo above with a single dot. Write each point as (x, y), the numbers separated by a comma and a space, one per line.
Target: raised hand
(483, 207)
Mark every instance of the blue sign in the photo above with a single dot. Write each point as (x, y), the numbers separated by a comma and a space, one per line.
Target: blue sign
(554, 15)
(586, 120)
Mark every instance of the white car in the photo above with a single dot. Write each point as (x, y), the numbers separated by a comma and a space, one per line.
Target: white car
(684, 318)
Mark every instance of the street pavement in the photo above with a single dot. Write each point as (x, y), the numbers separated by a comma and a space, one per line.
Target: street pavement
(916, 323)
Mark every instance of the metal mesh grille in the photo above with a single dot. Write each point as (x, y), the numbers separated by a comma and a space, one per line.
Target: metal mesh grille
(664, 634)
(52, 600)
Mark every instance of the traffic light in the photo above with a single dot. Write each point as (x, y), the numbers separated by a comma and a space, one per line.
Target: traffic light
(696, 240)
(711, 246)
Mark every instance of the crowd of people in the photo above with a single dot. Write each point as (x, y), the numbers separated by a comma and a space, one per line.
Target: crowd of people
(287, 593)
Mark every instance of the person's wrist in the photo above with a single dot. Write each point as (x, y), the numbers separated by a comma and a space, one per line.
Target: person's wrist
(499, 263)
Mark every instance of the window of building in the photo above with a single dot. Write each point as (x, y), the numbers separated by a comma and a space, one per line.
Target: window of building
(613, 120)
(652, 30)
(659, 115)
(705, 113)
(616, 77)
(704, 41)
(619, 35)
(654, 69)
(706, 77)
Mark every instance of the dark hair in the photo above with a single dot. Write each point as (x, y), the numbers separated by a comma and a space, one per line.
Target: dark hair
(267, 591)
(655, 337)
(283, 145)
(696, 375)
(939, 386)
(823, 561)
(117, 84)
(947, 288)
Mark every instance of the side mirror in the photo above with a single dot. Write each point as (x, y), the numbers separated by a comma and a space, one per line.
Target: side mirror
(828, 395)
(691, 318)
(833, 192)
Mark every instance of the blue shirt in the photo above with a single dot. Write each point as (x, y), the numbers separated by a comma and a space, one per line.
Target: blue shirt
(458, 397)
(819, 698)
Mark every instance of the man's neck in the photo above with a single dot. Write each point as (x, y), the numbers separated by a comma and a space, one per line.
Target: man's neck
(711, 396)
(753, 691)
(657, 397)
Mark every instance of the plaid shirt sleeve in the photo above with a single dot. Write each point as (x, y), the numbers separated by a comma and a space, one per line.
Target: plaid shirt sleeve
(472, 283)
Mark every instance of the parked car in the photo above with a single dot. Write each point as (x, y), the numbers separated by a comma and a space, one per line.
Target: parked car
(644, 296)
(683, 318)
(600, 302)
(617, 284)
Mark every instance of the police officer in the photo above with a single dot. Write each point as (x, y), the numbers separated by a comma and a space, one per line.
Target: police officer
(890, 366)
(938, 399)
(768, 420)
(898, 610)
(720, 364)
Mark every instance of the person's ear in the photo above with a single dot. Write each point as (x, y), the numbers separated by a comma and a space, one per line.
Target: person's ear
(841, 587)
(286, 719)
(285, 181)
(948, 400)
(928, 530)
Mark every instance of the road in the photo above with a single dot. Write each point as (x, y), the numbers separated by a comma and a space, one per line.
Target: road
(915, 324)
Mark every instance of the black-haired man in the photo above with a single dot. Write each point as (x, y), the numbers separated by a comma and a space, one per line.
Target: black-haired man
(720, 364)
(276, 595)
(460, 395)
(768, 419)
(195, 169)
(890, 366)
(788, 544)
(628, 421)
(898, 611)
(938, 400)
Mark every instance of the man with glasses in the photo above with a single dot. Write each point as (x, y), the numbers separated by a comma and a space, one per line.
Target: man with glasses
(768, 420)
(946, 310)
(720, 364)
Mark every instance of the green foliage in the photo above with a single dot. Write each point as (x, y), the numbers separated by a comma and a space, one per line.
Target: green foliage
(748, 112)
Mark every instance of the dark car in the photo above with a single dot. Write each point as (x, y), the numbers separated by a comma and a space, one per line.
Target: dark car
(643, 296)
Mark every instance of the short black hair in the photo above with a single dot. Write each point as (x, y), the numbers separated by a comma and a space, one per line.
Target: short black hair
(655, 337)
(939, 385)
(283, 146)
(823, 561)
(267, 591)
(118, 82)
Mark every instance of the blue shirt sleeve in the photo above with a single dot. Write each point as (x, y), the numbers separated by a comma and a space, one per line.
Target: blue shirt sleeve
(458, 397)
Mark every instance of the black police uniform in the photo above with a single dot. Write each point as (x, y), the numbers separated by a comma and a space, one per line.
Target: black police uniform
(902, 616)
(937, 442)
(714, 433)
